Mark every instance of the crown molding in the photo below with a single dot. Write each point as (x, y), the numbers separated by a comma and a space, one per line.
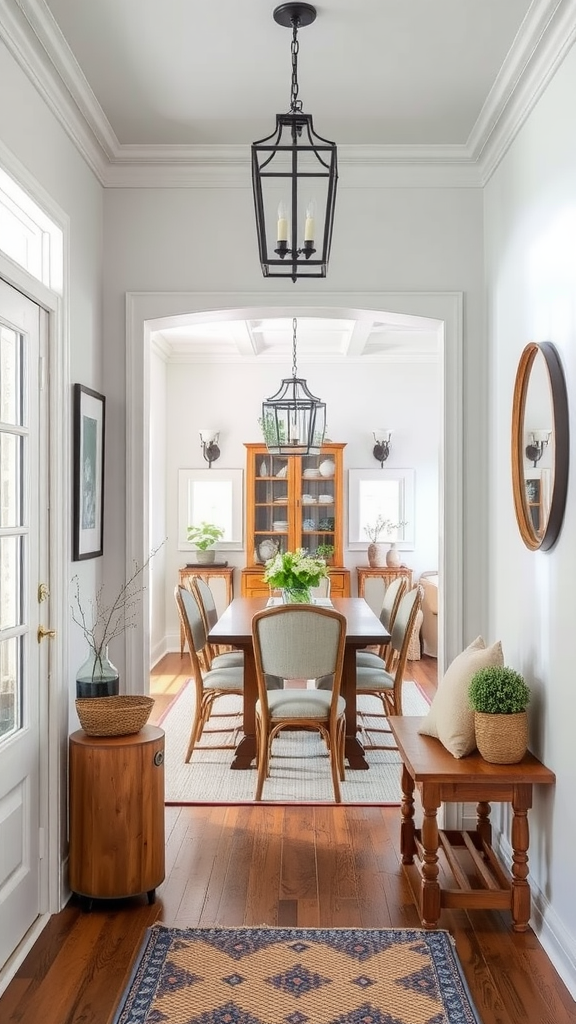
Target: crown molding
(37, 64)
(229, 167)
(550, 43)
(34, 39)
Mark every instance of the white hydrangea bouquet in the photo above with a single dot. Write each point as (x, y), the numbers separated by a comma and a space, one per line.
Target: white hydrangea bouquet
(294, 572)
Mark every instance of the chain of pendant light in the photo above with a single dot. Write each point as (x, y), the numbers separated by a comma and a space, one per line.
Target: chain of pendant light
(295, 103)
(294, 326)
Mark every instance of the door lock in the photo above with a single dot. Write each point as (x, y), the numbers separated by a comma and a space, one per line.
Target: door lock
(43, 592)
(42, 632)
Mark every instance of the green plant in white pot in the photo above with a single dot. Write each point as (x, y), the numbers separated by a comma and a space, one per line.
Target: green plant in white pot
(204, 536)
(499, 697)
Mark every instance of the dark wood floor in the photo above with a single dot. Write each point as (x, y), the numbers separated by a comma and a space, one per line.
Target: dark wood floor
(316, 866)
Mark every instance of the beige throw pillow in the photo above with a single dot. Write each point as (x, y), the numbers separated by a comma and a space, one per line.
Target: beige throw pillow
(451, 719)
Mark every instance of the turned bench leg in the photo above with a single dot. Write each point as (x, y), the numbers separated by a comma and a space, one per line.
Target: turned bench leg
(407, 841)
(520, 837)
(430, 889)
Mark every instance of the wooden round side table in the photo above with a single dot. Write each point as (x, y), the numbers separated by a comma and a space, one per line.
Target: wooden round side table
(116, 814)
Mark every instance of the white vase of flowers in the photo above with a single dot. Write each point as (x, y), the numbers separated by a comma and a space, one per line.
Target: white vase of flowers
(294, 573)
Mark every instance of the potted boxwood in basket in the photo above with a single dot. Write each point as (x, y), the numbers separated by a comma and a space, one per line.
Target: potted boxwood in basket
(499, 697)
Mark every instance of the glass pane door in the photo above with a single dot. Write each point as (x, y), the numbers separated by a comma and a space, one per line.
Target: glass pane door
(14, 532)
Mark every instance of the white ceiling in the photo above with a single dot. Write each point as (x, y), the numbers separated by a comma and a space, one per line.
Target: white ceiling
(154, 90)
(372, 72)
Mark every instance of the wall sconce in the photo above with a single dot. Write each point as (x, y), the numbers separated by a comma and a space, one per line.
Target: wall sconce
(538, 440)
(209, 443)
(381, 449)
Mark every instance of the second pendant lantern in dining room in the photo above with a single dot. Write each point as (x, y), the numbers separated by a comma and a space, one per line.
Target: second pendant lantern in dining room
(293, 420)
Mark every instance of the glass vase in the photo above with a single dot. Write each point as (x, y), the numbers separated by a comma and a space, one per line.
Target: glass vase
(97, 677)
(296, 595)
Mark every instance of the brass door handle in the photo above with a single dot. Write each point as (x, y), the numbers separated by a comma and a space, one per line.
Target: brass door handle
(42, 632)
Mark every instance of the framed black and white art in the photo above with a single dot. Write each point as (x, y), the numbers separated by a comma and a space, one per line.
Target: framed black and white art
(89, 424)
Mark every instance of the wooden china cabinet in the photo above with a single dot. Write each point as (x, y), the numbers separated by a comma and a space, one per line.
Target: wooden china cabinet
(294, 502)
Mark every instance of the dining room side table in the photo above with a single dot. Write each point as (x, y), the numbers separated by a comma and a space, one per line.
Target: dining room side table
(363, 628)
(207, 573)
(478, 880)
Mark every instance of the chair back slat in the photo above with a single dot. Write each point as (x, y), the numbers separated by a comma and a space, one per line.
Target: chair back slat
(206, 601)
(394, 593)
(400, 640)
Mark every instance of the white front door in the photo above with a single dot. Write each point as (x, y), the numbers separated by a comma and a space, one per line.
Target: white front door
(23, 605)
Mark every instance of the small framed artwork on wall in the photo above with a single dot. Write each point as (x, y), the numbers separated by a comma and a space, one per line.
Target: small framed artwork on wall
(88, 484)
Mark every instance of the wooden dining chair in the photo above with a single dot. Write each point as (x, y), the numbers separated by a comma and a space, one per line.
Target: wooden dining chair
(299, 642)
(215, 656)
(209, 685)
(386, 683)
(394, 593)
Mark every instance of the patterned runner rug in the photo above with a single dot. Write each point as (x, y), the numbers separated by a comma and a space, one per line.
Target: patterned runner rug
(300, 769)
(296, 976)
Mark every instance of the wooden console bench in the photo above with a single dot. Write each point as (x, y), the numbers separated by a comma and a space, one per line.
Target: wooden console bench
(481, 882)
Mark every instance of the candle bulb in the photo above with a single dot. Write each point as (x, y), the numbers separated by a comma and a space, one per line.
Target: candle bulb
(309, 225)
(282, 226)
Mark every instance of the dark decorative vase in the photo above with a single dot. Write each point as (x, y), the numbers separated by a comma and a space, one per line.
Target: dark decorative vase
(97, 677)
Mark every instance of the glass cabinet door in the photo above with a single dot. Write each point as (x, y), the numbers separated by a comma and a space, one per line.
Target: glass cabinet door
(317, 525)
(272, 505)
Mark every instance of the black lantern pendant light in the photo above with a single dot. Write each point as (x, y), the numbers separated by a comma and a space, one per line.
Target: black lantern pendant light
(293, 420)
(294, 176)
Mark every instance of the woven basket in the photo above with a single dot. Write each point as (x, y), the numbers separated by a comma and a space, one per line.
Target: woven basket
(114, 716)
(501, 739)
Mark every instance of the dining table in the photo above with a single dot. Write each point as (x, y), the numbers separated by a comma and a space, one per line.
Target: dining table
(363, 629)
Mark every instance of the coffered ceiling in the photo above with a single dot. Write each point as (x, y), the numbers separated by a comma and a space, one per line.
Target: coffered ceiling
(360, 337)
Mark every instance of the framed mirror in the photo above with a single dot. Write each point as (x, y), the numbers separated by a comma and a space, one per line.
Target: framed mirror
(540, 445)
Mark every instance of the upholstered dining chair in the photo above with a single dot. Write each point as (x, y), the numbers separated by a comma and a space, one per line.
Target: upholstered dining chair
(213, 656)
(211, 684)
(386, 683)
(393, 595)
(299, 642)
(323, 588)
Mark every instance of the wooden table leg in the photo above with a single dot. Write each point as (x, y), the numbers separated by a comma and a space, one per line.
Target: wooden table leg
(246, 749)
(521, 803)
(353, 749)
(407, 839)
(430, 888)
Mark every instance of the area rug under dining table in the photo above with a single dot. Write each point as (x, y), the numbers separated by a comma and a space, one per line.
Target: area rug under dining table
(300, 768)
(296, 976)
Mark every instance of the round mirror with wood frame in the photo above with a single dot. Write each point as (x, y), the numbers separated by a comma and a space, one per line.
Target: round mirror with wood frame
(540, 489)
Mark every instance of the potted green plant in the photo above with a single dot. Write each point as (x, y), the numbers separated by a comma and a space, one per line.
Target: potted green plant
(204, 536)
(325, 551)
(499, 697)
(294, 572)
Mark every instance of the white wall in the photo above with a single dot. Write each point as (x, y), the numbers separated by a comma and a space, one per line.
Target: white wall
(35, 138)
(37, 153)
(202, 240)
(406, 396)
(159, 578)
(531, 275)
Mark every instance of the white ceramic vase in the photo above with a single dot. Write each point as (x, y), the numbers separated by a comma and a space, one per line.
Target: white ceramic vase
(392, 557)
(376, 554)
